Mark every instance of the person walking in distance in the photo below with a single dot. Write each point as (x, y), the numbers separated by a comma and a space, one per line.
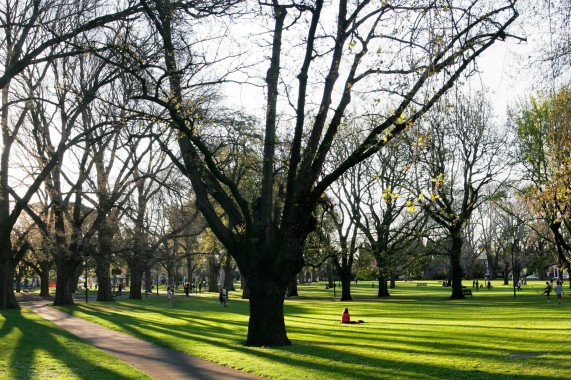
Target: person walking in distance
(559, 291)
(547, 290)
(169, 295)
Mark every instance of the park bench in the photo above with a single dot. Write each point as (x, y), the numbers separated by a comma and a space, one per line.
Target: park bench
(467, 292)
(421, 284)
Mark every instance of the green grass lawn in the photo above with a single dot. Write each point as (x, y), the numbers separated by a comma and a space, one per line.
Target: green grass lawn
(33, 348)
(417, 333)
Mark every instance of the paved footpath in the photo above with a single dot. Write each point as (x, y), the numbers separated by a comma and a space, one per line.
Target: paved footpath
(158, 362)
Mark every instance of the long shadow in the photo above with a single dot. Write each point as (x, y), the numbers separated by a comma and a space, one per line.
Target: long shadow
(39, 338)
(230, 334)
(229, 337)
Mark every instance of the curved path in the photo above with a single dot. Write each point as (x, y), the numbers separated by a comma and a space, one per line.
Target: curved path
(158, 362)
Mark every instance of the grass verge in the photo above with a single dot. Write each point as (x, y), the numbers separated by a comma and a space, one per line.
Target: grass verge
(33, 348)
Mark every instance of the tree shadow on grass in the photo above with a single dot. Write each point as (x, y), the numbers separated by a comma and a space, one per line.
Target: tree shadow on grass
(33, 340)
(321, 359)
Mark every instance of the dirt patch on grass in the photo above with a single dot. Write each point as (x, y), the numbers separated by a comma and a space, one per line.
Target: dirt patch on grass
(526, 355)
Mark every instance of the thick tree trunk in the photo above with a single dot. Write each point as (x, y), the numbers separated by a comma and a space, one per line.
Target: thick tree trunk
(7, 296)
(103, 277)
(267, 325)
(383, 289)
(136, 269)
(245, 289)
(506, 273)
(228, 278)
(345, 275)
(65, 281)
(148, 279)
(213, 276)
(45, 278)
(456, 267)
(18, 280)
(292, 287)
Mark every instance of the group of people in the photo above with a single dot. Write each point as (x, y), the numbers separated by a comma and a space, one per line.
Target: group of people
(192, 287)
(558, 290)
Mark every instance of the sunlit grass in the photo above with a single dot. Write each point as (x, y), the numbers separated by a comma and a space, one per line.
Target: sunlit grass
(417, 332)
(32, 348)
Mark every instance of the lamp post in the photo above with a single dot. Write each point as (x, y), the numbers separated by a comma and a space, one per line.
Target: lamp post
(513, 266)
(85, 267)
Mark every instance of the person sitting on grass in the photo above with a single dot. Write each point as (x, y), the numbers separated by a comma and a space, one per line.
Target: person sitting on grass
(346, 317)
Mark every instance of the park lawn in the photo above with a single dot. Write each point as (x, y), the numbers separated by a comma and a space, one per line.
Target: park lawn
(33, 348)
(416, 333)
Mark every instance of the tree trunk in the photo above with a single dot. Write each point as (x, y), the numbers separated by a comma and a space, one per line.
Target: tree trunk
(383, 289)
(506, 273)
(456, 267)
(102, 271)
(148, 279)
(7, 296)
(245, 289)
(189, 271)
(345, 275)
(213, 276)
(136, 269)
(393, 281)
(267, 325)
(228, 278)
(292, 287)
(65, 279)
(18, 279)
(45, 266)
(330, 276)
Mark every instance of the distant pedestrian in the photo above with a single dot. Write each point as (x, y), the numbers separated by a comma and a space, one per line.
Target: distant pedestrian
(186, 290)
(223, 297)
(559, 291)
(547, 290)
(519, 286)
(489, 285)
(477, 286)
(170, 295)
(200, 287)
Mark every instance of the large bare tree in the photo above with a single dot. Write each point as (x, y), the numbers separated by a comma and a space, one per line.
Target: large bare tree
(403, 57)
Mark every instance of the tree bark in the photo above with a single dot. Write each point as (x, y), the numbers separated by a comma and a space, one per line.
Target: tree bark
(102, 271)
(137, 270)
(148, 279)
(245, 289)
(212, 274)
(45, 266)
(383, 289)
(7, 296)
(292, 287)
(456, 267)
(66, 267)
(228, 278)
(345, 275)
(267, 325)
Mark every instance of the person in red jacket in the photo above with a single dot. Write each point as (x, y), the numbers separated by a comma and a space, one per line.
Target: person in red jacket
(346, 317)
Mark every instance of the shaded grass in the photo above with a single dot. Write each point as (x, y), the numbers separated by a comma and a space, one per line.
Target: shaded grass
(33, 348)
(416, 333)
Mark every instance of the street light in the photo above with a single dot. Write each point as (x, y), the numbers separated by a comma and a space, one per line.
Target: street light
(85, 267)
(513, 266)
